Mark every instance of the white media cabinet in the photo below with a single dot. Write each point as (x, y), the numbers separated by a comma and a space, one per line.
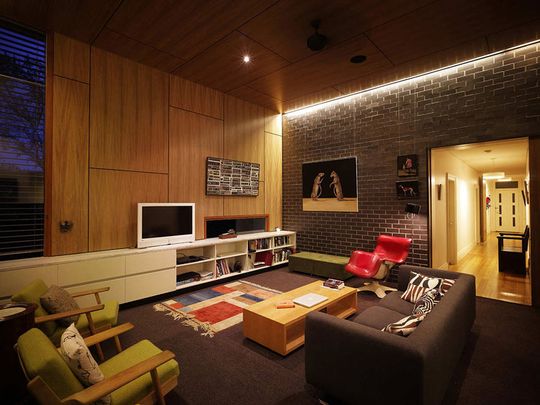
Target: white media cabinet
(134, 274)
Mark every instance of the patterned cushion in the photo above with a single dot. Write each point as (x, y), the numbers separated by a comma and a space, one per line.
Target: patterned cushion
(426, 302)
(405, 326)
(418, 285)
(80, 360)
(57, 300)
(445, 286)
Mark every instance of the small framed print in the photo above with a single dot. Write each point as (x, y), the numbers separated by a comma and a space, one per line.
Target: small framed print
(407, 166)
(407, 190)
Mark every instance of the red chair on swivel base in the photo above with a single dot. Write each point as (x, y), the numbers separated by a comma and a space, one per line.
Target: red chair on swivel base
(389, 252)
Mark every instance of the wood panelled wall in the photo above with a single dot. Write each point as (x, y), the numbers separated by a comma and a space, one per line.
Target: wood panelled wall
(124, 133)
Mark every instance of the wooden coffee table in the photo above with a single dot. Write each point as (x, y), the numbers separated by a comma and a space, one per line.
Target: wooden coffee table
(282, 330)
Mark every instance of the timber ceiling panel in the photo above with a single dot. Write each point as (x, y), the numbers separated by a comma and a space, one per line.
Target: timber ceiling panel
(284, 27)
(322, 70)
(183, 28)
(127, 47)
(227, 54)
(80, 19)
(444, 24)
(203, 41)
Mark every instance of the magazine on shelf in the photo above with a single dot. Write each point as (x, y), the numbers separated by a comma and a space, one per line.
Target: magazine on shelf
(310, 300)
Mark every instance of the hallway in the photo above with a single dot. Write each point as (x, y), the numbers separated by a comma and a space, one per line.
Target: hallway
(482, 262)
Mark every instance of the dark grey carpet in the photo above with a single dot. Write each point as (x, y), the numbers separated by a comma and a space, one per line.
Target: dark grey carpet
(500, 365)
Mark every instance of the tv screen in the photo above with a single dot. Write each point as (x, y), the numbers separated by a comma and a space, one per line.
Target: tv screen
(161, 224)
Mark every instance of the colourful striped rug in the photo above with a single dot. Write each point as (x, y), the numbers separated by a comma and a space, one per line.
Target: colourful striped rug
(214, 309)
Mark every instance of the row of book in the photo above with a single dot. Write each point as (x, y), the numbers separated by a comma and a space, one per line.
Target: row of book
(281, 255)
(281, 240)
(222, 268)
(258, 244)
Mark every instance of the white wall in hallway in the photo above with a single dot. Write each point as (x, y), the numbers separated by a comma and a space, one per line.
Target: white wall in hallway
(443, 162)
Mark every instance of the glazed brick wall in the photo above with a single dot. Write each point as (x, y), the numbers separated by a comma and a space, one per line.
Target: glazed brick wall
(494, 98)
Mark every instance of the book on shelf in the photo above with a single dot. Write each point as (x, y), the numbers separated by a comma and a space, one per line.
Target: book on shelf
(222, 268)
(285, 304)
(334, 284)
(281, 255)
(281, 240)
(265, 257)
(258, 244)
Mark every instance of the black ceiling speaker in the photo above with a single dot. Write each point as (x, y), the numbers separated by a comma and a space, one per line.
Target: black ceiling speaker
(317, 41)
(358, 58)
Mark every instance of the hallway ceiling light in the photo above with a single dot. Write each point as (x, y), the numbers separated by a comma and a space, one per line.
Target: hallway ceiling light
(493, 175)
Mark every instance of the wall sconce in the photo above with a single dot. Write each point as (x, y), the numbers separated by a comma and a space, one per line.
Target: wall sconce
(439, 191)
(412, 210)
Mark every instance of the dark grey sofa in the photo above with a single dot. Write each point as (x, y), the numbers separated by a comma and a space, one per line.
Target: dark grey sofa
(355, 362)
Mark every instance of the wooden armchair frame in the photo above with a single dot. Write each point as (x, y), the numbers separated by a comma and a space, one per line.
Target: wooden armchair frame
(87, 311)
(89, 395)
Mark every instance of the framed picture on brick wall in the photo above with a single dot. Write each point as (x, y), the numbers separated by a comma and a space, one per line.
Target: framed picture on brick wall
(330, 185)
(407, 166)
(406, 190)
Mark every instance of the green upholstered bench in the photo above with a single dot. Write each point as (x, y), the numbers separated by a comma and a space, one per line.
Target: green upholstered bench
(319, 264)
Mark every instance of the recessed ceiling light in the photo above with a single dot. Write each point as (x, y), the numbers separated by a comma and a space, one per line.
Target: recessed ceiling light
(358, 58)
(246, 59)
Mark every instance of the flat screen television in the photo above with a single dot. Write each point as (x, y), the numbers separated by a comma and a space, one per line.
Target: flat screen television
(165, 223)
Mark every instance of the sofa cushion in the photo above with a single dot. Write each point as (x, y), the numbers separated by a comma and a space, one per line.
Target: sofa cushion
(377, 317)
(394, 302)
(426, 302)
(57, 300)
(405, 326)
(79, 359)
(418, 285)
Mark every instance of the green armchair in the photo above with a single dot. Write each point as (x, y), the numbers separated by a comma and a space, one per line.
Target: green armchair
(140, 374)
(97, 318)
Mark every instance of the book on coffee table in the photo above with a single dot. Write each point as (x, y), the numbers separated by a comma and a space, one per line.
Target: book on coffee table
(310, 300)
(285, 304)
(334, 284)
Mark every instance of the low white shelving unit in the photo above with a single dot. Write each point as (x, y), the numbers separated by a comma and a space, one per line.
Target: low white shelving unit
(243, 254)
(134, 274)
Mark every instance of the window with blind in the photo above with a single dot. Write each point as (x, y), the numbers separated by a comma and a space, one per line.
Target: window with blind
(22, 132)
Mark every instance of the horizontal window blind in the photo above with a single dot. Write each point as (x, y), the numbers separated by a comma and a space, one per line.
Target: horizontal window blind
(22, 128)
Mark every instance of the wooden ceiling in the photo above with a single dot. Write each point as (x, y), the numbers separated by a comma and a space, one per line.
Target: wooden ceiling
(204, 41)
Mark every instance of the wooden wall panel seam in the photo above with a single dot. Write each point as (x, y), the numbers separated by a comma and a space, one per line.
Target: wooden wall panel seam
(126, 170)
(48, 180)
(72, 79)
(195, 112)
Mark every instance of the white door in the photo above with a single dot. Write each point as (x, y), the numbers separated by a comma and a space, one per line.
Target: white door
(451, 218)
(509, 210)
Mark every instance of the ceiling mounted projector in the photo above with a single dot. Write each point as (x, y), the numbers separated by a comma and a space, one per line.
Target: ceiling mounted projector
(317, 41)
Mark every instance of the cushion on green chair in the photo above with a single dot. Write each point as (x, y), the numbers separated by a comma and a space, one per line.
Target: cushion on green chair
(106, 316)
(32, 293)
(135, 390)
(40, 357)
